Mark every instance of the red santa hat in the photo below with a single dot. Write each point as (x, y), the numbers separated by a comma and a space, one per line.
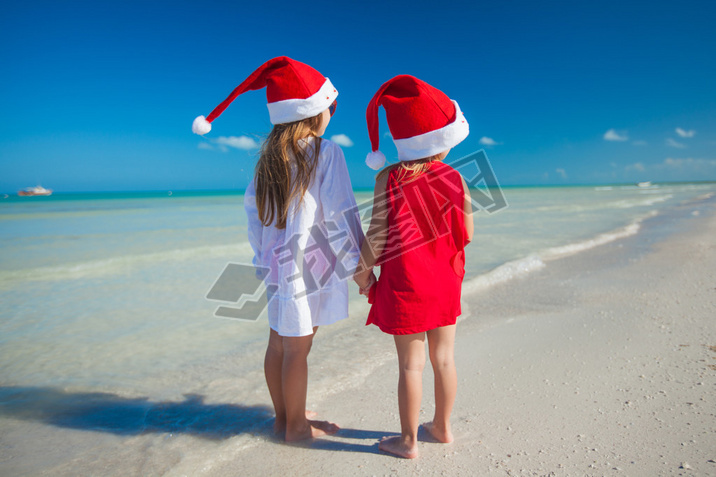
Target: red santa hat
(294, 91)
(422, 120)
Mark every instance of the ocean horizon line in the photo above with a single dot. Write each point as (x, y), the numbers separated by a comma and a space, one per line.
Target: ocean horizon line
(240, 191)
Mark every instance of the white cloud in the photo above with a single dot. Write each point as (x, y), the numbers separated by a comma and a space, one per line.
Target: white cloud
(561, 172)
(238, 142)
(342, 140)
(488, 141)
(613, 135)
(387, 134)
(684, 133)
(672, 143)
(638, 166)
(639, 143)
(223, 143)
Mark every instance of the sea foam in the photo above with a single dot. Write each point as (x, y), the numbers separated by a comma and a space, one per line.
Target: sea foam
(533, 262)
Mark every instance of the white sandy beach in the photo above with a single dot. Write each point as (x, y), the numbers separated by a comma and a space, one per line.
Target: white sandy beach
(603, 363)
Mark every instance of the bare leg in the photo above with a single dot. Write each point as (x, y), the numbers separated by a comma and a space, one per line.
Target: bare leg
(411, 358)
(273, 363)
(441, 343)
(295, 385)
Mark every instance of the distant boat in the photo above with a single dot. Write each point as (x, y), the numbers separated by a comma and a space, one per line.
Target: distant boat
(644, 184)
(37, 190)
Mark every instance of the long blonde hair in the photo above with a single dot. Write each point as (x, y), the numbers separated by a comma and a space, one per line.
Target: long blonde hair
(409, 170)
(279, 179)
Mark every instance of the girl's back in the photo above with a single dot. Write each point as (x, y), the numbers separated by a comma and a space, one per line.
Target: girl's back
(305, 284)
(422, 264)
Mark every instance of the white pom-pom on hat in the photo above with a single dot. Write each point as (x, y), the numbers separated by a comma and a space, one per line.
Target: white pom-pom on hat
(375, 160)
(200, 126)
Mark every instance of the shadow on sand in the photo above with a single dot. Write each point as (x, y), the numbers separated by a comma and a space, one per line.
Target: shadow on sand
(106, 412)
(131, 416)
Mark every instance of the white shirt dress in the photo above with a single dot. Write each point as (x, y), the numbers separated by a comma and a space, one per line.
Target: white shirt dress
(307, 265)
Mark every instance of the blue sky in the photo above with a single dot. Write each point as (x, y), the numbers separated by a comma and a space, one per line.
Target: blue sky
(101, 95)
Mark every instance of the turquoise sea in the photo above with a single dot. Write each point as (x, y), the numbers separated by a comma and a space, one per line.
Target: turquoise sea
(104, 295)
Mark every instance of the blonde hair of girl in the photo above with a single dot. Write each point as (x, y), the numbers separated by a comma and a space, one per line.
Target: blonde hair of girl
(278, 179)
(410, 170)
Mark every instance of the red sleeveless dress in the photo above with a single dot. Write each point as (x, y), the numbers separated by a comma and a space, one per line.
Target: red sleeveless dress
(423, 261)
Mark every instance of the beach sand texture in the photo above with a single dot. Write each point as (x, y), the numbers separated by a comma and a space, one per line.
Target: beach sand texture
(602, 363)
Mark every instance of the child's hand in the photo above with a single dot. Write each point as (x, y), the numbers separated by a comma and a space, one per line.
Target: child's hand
(365, 290)
(362, 276)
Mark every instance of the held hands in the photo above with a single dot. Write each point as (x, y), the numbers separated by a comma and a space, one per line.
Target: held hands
(364, 278)
(365, 290)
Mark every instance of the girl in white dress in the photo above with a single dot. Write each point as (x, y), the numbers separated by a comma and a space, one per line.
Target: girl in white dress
(304, 229)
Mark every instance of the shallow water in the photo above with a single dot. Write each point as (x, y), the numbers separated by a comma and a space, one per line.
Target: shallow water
(103, 290)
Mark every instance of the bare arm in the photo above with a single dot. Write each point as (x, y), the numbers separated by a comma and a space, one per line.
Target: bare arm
(375, 238)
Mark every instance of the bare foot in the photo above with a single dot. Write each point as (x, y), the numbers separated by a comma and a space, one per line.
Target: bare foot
(279, 425)
(312, 430)
(440, 434)
(396, 445)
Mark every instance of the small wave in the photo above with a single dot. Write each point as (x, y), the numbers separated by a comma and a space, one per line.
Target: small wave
(597, 206)
(524, 266)
(121, 264)
(574, 248)
(505, 272)
(643, 202)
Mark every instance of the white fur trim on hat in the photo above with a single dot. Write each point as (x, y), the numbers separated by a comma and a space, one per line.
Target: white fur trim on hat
(290, 110)
(200, 126)
(375, 160)
(434, 142)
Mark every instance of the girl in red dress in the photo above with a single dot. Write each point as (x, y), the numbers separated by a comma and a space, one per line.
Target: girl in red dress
(420, 225)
